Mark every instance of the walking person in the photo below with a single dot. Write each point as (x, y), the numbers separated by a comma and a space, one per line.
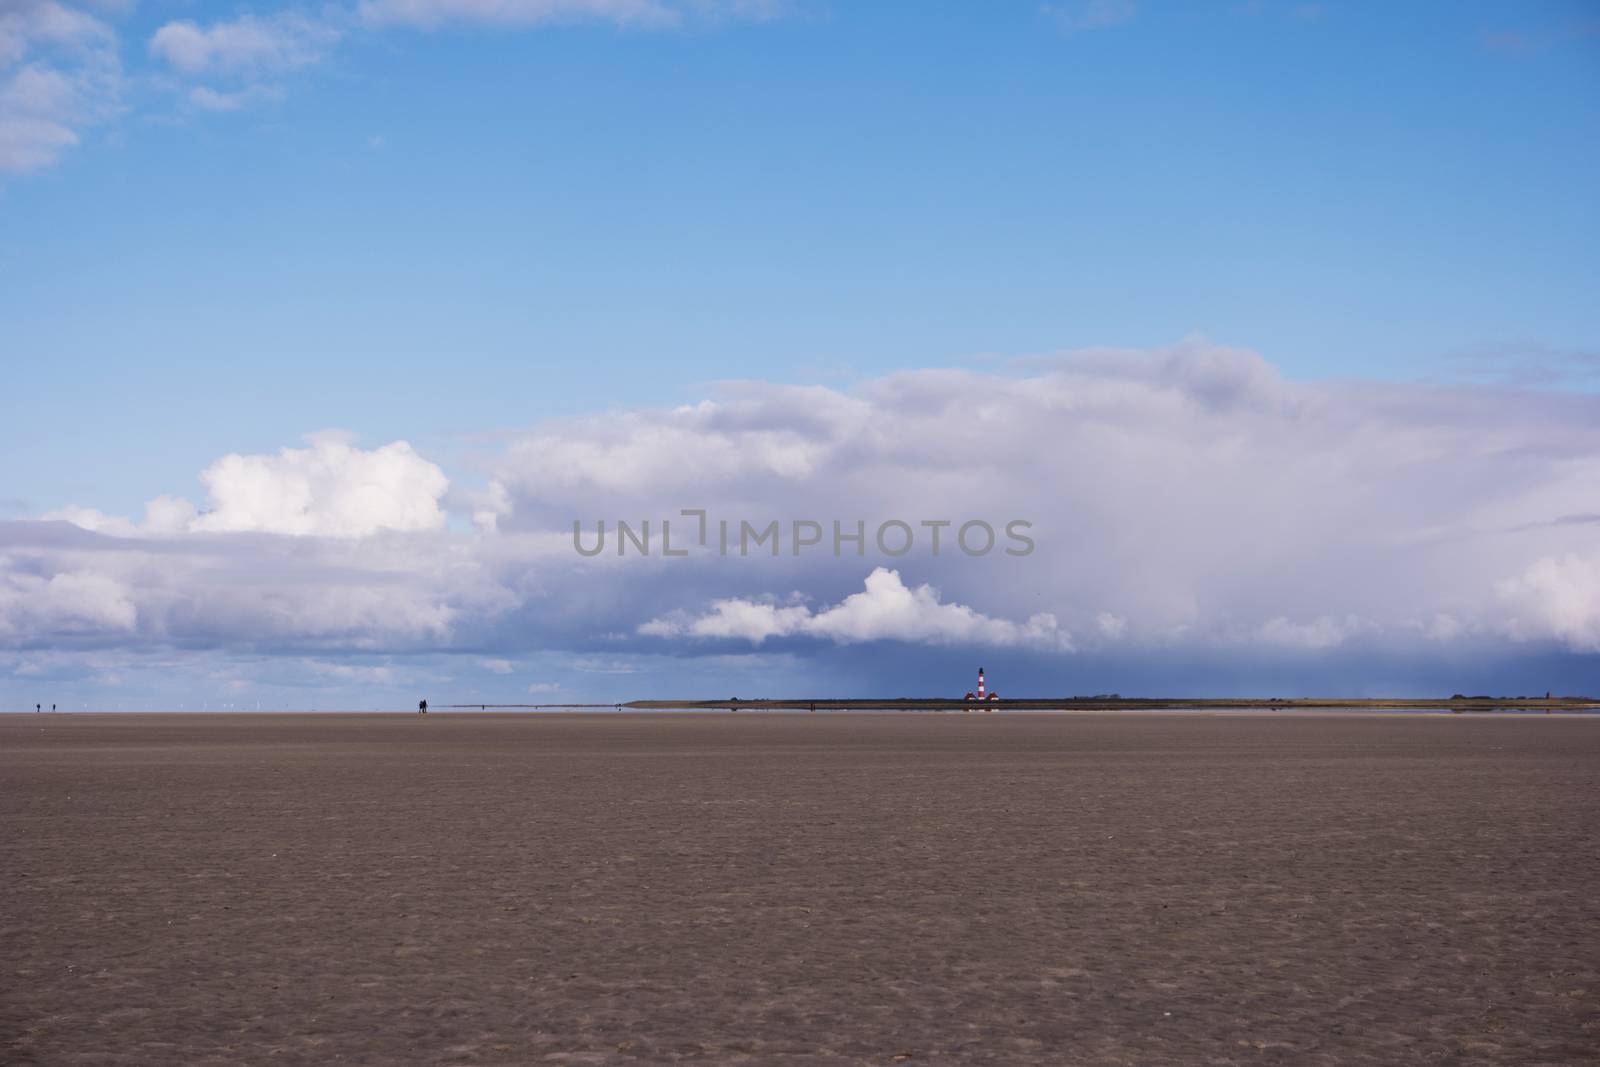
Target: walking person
(422, 707)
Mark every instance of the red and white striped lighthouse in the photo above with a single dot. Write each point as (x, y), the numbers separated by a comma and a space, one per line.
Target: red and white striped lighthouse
(980, 683)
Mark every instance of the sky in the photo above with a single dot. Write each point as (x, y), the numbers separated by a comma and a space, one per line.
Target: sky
(1275, 325)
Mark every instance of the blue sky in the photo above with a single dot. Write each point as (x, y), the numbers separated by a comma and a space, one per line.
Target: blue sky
(450, 223)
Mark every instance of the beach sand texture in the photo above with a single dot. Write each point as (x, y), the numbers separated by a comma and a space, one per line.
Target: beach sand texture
(1098, 889)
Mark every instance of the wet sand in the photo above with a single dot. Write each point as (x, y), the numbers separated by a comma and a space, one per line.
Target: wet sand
(470, 889)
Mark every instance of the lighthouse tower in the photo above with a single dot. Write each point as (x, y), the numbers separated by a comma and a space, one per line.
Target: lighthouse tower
(982, 695)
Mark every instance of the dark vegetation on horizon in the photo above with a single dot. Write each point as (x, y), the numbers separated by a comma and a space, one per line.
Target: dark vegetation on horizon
(1111, 702)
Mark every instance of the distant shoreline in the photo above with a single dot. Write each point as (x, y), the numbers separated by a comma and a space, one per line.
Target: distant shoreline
(1124, 704)
(1069, 705)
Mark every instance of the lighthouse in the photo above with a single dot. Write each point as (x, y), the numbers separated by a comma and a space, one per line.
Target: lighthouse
(982, 695)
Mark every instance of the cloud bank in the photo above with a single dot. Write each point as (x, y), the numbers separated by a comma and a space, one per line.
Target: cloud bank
(1187, 503)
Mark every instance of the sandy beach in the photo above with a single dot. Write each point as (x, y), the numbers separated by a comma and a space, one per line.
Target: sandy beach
(1098, 889)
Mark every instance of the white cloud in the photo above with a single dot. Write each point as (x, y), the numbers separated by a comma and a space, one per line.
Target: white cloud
(1557, 597)
(497, 666)
(30, 143)
(166, 515)
(706, 444)
(239, 591)
(67, 603)
(487, 505)
(93, 519)
(59, 73)
(86, 600)
(247, 46)
(886, 609)
(734, 617)
(29, 24)
(330, 489)
(163, 515)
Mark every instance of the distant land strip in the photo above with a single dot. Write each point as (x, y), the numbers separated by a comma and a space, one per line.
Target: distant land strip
(1095, 703)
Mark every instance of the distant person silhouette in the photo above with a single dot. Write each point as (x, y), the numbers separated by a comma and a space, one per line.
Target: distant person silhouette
(422, 707)
(52, 709)
(37, 708)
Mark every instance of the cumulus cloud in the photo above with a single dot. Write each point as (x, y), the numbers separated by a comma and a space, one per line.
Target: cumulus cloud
(886, 609)
(328, 546)
(329, 489)
(733, 617)
(59, 73)
(93, 519)
(163, 515)
(1557, 597)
